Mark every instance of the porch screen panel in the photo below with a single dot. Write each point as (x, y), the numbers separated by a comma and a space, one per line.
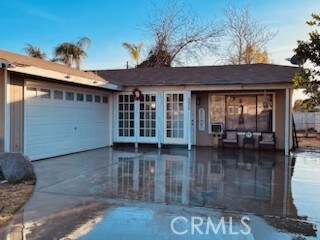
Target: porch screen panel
(218, 109)
(175, 115)
(241, 113)
(264, 113)
(148, 115)
(126, 115)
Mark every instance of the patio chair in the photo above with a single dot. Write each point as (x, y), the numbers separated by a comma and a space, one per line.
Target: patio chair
(267, 139)
(230, 137)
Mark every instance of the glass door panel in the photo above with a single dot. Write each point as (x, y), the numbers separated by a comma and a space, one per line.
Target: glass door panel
(174, 116)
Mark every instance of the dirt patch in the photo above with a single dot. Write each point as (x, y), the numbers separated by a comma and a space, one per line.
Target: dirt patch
(72, 222)
(13, 197)
(309, 142)
(297, 226)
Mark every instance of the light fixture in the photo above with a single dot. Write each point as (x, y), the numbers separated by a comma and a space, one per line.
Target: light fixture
(6, 64)
(11, 65)
(265, 104)
(137, 94)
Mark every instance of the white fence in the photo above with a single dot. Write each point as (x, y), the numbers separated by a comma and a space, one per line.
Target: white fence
(307, 120)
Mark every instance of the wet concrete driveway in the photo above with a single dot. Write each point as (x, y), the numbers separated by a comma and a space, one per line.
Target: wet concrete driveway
(152, 194)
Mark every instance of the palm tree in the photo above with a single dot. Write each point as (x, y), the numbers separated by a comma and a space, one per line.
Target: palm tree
(134, 50)
(70, 53)
(34, 51)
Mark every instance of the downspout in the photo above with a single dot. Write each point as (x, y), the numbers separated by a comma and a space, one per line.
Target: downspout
(287, 123)
(6, 144)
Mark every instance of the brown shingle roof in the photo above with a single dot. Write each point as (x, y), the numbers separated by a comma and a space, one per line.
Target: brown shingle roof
(18, 59)
(215, 75)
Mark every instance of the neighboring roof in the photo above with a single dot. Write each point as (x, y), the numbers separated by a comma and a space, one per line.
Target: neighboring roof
(26, 61)
(206, 75)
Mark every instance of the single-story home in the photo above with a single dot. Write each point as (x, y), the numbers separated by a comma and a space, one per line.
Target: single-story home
(48, 109)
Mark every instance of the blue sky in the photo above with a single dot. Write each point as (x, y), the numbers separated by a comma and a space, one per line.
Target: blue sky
(109, 23)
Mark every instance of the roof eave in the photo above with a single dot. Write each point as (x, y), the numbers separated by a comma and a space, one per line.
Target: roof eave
(66, 78)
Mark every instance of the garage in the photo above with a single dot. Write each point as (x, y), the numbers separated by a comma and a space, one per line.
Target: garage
(62, 119)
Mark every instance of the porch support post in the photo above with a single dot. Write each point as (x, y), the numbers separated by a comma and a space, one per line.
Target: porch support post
(111, 119)
(287, 123)
(188, 122)
(6, 111)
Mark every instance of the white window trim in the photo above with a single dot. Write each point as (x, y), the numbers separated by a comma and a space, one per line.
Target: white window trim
(149, 139)
(117, 138)
(53, 97)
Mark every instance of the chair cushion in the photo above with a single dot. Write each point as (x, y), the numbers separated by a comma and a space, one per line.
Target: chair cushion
(231, 136)
(267, 142)
(229, 141)
(267, 137)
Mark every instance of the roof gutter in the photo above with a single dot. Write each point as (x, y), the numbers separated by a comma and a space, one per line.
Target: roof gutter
(63, 77)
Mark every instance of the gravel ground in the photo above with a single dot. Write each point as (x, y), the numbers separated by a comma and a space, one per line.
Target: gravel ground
(13, 197)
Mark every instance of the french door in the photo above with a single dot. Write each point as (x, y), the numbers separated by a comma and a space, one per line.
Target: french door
(148, 118)
(175, 104)
(136, 119)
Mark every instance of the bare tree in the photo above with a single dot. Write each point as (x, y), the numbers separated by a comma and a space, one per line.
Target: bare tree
(246, 36)
(178, 31)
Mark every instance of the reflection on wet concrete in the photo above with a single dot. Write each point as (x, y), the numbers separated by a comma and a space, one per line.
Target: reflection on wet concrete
(78, 194)
(240, 181)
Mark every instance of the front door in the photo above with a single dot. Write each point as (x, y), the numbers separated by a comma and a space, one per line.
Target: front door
(174, 118)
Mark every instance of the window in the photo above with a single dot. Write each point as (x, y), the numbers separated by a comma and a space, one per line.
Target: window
(58, 94)
(264, 113)
(148, 115)
(80, 97)
(217, 113)
(45, 93)
(97, 99)
(242, 113)
(70, 96)
(126, 115)
(175, 115)
(89, 98)
(31, 92)
(105, 99)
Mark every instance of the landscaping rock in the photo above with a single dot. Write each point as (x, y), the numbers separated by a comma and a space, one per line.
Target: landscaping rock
(16, 168)
(1, 174)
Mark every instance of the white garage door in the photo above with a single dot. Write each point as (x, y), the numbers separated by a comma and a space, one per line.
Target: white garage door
(60, 120)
